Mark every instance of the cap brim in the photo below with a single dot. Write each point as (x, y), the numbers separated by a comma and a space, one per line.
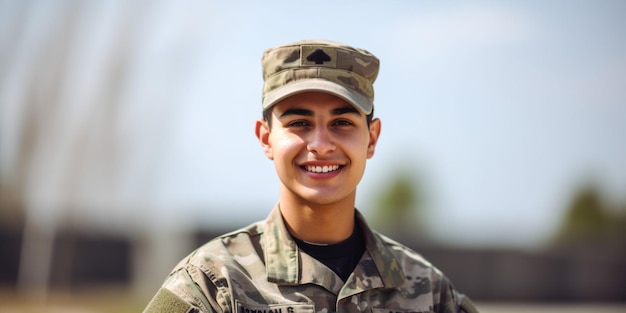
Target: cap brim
(356, 99)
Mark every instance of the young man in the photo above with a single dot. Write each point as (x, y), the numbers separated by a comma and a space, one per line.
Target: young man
(314, 253)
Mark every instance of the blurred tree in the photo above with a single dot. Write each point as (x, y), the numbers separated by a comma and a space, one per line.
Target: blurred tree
(617, 223)
(586, 215)
(398, 210)
(589, 220)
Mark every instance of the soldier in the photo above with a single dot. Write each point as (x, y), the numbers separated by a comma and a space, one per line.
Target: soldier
(315, 252)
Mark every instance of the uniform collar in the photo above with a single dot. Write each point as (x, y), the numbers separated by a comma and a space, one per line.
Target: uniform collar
(283, 261)
(281, 252)
(387, 264)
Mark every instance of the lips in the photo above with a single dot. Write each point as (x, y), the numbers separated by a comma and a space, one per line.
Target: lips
(321, 168)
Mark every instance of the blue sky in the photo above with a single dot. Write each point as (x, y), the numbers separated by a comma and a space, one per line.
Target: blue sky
(502, 108)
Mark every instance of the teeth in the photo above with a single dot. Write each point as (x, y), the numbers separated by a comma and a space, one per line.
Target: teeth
(322, 169)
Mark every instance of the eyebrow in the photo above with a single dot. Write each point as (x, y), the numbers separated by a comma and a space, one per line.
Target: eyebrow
(296, 111)
(346, 110)
(306, 112)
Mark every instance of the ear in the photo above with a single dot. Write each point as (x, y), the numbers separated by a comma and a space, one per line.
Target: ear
(374, 131)
(262, 131)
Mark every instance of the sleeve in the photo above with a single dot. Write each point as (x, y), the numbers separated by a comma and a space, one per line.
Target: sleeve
(451, 301)
(466, 305)
(167, 301)
(187, 290)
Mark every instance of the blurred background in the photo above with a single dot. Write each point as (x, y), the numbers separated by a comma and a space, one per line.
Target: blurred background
(126, 140)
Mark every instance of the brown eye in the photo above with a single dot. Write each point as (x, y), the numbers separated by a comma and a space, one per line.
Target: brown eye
(343, 123)
(298, 124)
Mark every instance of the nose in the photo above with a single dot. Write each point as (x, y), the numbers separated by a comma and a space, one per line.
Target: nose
(321, 142)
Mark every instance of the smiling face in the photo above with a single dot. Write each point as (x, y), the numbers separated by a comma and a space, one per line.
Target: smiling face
(319, 144)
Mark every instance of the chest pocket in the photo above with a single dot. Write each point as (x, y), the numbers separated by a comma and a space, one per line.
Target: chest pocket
(275, 308)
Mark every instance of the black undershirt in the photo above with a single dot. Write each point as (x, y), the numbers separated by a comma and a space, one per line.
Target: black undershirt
(341, 257)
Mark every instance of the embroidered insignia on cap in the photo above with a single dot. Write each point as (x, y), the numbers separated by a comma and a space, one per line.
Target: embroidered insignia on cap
(316, 55)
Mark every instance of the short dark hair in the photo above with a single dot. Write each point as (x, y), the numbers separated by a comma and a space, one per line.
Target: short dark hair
(267, 116)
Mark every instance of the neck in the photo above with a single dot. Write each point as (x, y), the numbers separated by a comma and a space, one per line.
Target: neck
(324, 224)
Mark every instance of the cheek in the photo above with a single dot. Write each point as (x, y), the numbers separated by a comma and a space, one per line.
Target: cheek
(361, 146)
(286, 145)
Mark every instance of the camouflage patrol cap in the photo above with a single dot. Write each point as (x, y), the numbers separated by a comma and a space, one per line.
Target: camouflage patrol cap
(319, 65)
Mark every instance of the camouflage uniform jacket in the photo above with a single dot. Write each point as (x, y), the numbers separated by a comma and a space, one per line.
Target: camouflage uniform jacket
(259, 269)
